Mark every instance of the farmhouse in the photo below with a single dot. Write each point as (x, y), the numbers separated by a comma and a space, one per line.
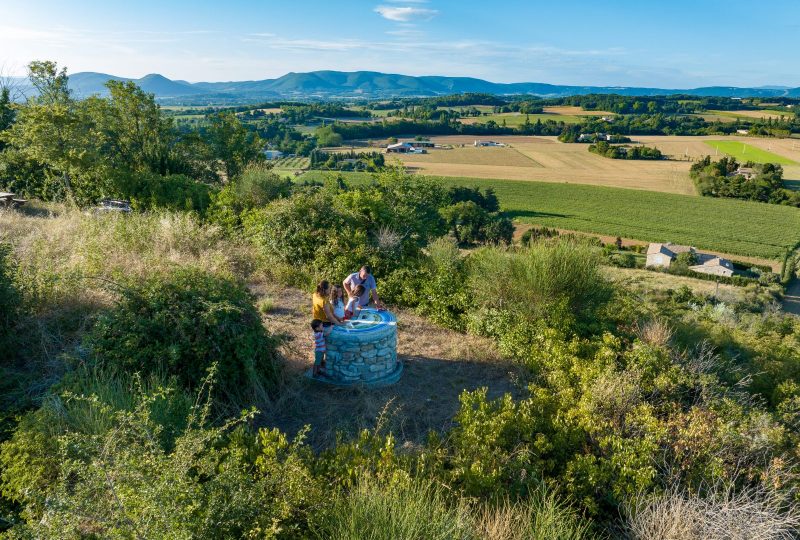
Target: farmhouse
(664, 254)
(748, 172)
(487, 143)
(593, 137)
(423, 144)
(400, 148)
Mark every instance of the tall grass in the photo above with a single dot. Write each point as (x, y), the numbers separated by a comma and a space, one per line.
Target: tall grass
(402, 512)
(422, 510)
(556, 281)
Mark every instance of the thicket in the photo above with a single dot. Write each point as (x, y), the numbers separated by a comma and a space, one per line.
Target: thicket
(724, 178)
(605, 149)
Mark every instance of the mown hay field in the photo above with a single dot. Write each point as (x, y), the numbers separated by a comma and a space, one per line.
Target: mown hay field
(723, 225)
(517, 119)
(751, 114)
(547, 161)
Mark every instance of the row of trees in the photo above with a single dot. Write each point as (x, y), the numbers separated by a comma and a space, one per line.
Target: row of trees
(57, 147)
(608, 150)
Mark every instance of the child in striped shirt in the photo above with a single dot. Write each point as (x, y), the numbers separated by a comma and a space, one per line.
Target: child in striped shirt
(319, 348)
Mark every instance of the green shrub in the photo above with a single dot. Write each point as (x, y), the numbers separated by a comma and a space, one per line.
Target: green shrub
(148, 191)
(212, 482)
(254, 188)
(30, 461)
(558, 281)
(180, 324)
(9, 301)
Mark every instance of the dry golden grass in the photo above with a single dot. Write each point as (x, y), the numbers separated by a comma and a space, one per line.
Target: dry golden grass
(438, 365)
(646, 281)
(549, 161)
(470, 155)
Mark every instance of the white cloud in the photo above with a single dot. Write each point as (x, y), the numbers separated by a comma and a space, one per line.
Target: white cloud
(406, 13)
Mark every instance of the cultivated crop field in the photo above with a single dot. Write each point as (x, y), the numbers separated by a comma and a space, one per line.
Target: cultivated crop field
(291, 163)
(724, 225)
(469, 155)
(745, 152)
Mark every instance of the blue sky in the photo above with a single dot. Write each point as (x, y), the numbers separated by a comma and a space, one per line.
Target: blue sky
(676, 44)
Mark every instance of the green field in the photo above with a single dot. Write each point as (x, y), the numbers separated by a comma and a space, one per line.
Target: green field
(514, 120)
(725, 225)
(745, 152)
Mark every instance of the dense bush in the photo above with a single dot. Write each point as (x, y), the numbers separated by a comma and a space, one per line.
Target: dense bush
(180, 324)
(148, 191)
(254, 188)
(335, 229)
(9, 300)
(558, 282)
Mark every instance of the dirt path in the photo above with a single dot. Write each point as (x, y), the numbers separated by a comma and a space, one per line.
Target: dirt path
(439, 364)
(791, 299)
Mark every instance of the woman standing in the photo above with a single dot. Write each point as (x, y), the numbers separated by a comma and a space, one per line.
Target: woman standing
(321, 307)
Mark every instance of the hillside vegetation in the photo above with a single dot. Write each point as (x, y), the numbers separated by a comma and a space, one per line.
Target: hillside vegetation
(147, 359)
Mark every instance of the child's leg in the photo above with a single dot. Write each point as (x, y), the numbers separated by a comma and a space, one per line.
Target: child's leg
(318, 358)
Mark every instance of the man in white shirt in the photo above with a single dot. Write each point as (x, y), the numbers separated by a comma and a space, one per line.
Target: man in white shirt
(363, 277)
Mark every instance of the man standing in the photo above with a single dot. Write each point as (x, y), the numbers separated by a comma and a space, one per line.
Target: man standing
(363, 277)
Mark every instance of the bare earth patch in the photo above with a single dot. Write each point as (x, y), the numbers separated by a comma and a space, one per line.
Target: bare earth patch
(439, 364)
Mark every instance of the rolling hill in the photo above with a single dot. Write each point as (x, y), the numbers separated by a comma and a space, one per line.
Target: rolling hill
(372, 84)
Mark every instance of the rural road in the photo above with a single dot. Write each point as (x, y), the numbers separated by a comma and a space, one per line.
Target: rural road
(791, 299)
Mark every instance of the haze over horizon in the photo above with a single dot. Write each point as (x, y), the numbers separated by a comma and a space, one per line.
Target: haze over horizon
(618, 43)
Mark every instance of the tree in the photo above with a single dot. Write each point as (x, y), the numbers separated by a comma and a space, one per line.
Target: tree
(232, 144)
(327, 137)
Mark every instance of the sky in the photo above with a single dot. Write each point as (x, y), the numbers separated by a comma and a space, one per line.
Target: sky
(667, 44)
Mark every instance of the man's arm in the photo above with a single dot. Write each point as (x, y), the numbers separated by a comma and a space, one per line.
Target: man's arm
(376, 299)
(347, 286)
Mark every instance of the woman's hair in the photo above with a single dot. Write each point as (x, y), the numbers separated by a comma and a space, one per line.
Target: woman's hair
(322, 287)
(333, 296)
(359, 290)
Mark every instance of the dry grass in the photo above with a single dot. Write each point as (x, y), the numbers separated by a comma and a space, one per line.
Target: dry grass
(438, 365)
(546, 159)
(470, 155)
(551, 161)
(646, 281)
(722, 515)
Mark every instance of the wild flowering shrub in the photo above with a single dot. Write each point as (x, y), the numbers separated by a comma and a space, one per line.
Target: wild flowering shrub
(180, 324)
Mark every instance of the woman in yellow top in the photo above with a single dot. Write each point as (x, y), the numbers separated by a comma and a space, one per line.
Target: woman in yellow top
(321, 306)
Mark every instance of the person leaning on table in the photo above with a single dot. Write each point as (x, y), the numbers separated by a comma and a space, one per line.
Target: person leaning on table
(363, 277)
(321, 307)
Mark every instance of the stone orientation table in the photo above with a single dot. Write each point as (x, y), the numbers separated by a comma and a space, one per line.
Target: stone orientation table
(363, 351)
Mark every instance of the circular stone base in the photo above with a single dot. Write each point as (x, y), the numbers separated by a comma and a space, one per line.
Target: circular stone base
(363, 351)
(387, 380)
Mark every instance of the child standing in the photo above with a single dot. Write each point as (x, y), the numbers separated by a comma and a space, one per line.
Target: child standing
(353, 302)
(337, 301)
(319, 348)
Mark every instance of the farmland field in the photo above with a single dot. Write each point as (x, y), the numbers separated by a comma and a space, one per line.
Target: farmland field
(723, 225)
(547, 160)
(746, 152)
(751, 114)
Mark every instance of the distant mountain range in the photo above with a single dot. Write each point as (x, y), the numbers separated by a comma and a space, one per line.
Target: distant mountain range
(371, 84)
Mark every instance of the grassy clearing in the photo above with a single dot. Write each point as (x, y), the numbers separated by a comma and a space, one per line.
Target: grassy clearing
(745, 152)
(749, 115)
(724, 225)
